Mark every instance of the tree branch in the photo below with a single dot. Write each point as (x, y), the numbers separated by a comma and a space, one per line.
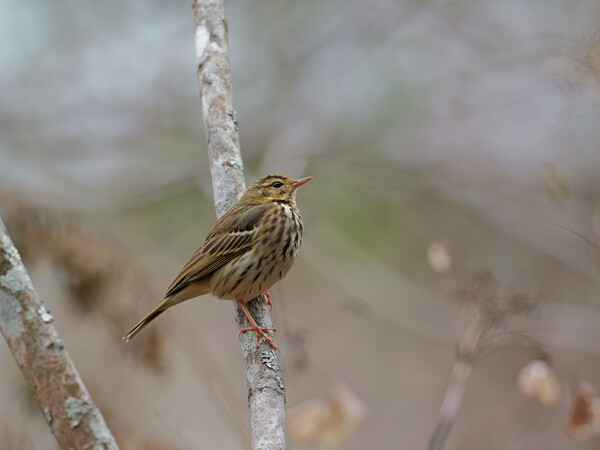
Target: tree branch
(43, 359)
(266, 393)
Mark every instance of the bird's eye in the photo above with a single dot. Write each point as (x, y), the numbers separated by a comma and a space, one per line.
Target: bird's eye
(276, 184)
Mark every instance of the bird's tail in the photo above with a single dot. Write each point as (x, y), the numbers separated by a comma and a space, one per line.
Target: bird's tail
(162, 307)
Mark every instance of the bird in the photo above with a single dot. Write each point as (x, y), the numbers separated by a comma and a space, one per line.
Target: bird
(249, 249)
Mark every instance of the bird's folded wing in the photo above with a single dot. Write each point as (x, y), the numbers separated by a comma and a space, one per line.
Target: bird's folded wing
(219, 249)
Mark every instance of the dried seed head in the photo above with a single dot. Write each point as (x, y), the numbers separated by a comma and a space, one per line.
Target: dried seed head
(439, 256)
(576, 62)
(476, 286)
(554, 183)
(522, 302)
(537, 381)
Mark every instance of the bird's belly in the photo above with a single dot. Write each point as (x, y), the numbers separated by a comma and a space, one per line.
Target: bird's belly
(249, 275)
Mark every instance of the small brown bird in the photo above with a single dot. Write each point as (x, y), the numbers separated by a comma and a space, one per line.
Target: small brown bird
(250, 248)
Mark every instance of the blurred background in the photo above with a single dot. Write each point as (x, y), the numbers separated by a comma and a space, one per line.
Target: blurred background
(444, 137)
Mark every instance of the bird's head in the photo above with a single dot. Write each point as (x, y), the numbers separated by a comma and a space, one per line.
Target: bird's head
(274, 188)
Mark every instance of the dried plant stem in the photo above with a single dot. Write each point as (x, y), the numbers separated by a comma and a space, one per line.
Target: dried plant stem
(43, 359)
(467, 349)
(266, 391)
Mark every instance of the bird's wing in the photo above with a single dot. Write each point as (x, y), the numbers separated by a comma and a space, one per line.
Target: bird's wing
(235, 239)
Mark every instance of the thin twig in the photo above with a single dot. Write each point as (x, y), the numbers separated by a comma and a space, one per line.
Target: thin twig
(467, 349)
(43, 359)
(487, 309)
(266, 393)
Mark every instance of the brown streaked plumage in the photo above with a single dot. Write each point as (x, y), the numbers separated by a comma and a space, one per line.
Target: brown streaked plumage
(249, 249)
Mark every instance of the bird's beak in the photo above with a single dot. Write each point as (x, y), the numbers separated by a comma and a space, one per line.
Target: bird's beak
(300, 182)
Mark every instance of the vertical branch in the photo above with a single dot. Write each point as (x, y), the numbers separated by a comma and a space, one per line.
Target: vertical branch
(43, 359)
(266, 393)
(220, 120)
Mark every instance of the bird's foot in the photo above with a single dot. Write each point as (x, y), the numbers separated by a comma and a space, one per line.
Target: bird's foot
(260, 331)
(254, 327)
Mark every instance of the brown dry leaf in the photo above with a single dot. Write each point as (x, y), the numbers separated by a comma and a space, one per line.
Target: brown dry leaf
(329, 420)
(583, 420)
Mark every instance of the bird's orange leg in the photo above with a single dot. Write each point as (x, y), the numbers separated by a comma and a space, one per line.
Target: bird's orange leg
(255, 327)
(268, 298)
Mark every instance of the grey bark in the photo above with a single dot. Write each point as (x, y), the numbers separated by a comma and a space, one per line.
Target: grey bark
(266, 392)
(43, 358)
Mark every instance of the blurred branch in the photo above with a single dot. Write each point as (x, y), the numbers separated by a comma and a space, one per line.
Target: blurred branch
(43, 359)
(468, 347)
(263, 372)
